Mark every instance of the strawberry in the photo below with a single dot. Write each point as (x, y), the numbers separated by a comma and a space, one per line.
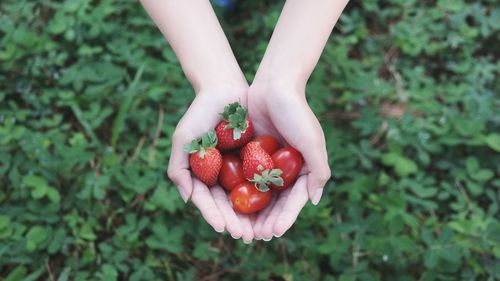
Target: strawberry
(236, 129)
(205, 159)
(258, 166)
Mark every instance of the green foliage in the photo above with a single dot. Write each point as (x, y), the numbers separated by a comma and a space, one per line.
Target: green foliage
(407, 93)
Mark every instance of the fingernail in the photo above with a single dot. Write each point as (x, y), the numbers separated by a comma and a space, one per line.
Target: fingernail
(317, 196)
(219, 230)
(183, 194)
(278, 235)
(235, 236)
(247, 242)
(267, 240)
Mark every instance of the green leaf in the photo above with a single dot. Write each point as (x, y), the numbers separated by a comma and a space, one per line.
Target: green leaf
(493, 141)
(192, 147)
(431, 259)
(4, 222)
(236, 115)
(39, 191)
(165, 198)
(402, 165)
(34, 181)
(17, 274)
(236, 134)
(166, 239)
(472, 165)
(86, 232)
(53, 194)
(119, 121)
(64, 276)
(35, 236)
(109, 272)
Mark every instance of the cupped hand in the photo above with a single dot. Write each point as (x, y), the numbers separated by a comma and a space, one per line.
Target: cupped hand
(213, 203)
(281, 110)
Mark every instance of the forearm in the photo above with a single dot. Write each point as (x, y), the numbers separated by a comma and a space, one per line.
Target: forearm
(298, 40)
(193, 31)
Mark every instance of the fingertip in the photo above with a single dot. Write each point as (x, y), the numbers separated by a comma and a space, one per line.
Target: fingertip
(235, 234)
(203, 200)
(315, 188)
(217, 223)
(184, 194)
(235, 231)
(182, 179)
(316, 196)
(218, 227)
(267, 232)
(281, 227)
(248, 235)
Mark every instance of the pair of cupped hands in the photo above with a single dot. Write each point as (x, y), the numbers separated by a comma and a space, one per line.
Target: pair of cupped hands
(279, 109)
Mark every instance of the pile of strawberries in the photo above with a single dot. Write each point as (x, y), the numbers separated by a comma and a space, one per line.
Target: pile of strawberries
(247, 167)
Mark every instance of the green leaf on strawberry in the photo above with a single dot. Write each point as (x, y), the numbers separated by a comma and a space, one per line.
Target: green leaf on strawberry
(237, 116)
(208, 140)
(266, 178)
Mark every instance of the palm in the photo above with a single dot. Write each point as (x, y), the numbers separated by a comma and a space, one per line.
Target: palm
(213, 203)
(288, 118)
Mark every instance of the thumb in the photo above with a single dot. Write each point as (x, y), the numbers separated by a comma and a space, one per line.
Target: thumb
(178, 170)
(315, 184)
(182, 178)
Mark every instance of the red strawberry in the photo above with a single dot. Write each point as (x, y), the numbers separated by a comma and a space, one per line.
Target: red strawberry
(255, 160)
(205, 159)
(236, 129)
(258, 166)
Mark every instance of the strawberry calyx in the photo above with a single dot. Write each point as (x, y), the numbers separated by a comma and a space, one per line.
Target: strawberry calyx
(208, 140)
(266, 178)
(236, 115)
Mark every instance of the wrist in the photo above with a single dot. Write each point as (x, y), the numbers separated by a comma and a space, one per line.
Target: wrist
(279, 74)
(229, 90)
(277, 84)
(219, 80)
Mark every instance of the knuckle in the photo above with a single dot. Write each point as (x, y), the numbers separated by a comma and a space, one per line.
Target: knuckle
(172, 174)
(178, 136)
(325, 174)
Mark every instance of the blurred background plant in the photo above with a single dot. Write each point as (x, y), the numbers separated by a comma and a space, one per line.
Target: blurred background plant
(407, 93)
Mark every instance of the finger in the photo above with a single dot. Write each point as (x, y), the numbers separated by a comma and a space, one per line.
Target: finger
(232, 222)
(178, 167)
(310, 142)
(268, 226)
(295, 202)
(203, 200)
(315, 185)
(316, 160)
(182, 179)
(247, 228)
(260, 218)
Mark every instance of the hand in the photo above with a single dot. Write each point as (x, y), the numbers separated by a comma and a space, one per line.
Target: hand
(213, 203)
(281, 110)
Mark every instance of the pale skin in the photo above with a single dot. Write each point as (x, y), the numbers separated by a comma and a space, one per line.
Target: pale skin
(194, 33)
